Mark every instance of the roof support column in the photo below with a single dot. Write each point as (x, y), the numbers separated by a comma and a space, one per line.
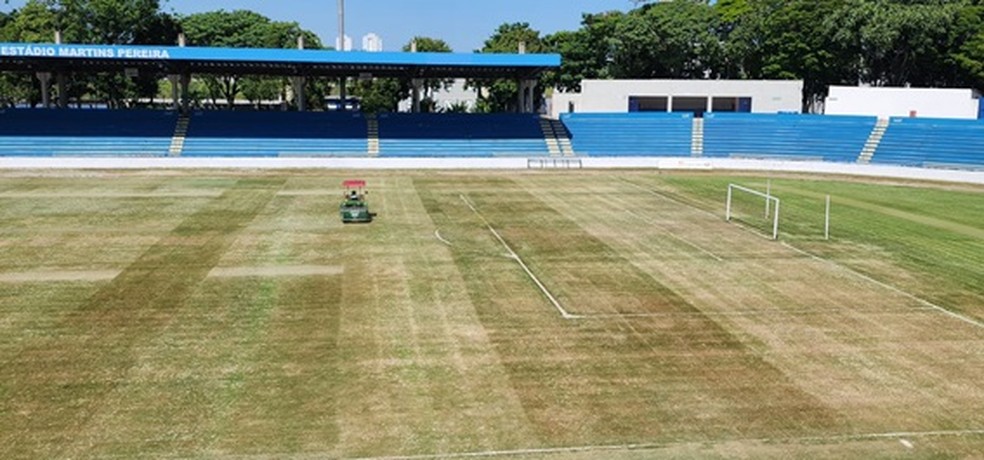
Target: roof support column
(299, 82)
(299, 97)
(526, 98)
(417, 85)
(180, 83)
(61, 83)
(45, 78)
(174, 79)
(60, 80)
(185, 83)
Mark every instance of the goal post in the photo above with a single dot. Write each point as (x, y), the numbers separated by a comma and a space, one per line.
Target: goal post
(734, 189)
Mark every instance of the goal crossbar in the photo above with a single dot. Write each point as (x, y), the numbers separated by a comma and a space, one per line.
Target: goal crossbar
(768, 199)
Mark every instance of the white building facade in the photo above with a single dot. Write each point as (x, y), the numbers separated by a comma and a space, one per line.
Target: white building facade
(697, 96)
(348, 44)
(444, 100)
(372, 43)
(904, 102)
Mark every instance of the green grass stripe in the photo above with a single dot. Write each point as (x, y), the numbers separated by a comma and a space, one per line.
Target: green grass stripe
(53, 386)
(649, 377)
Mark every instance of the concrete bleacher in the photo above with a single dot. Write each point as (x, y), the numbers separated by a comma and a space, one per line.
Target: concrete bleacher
(786, 136)
(75, 132)
(932, 143)
(630, 134)
(460, 135)
(275, 134)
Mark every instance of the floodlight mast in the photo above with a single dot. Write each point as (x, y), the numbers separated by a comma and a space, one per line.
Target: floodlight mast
(341, 46)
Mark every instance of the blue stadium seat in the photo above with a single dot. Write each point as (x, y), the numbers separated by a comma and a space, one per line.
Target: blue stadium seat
(794, 136)
(76, 132)
(932, 142)
(275, 134)
(630, 134)
(460, 135)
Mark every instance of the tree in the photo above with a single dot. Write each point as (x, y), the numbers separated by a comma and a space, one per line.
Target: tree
(32, 23)
(904, 43)
(380, 95)
(430, 86)
(786, 39)
(587, 53)
(124, 22)
(384, 94)
(667, 40)
(970, 54)
(502, 95)
(247, 29)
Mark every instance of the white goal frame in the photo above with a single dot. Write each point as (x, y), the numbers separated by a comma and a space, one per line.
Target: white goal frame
(768, 199)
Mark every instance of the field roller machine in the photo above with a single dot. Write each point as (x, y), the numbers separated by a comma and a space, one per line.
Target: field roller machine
(355, 207)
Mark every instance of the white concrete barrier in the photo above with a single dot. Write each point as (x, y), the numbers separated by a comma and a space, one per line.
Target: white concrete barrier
(661, 163)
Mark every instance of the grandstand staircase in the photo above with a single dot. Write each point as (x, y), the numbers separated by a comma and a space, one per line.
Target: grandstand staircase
(556, 137)
(180, 134)
(697, 138)
(874, 140)
(372, 128)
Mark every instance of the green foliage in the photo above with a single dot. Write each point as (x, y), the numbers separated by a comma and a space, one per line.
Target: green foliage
(379, 95)
(248, 29)
(667, 40)
(587, 51)
(502, 95)
(125, 22)
(823, 42)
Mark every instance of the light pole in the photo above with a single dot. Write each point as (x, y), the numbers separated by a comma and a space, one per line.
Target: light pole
(341, 46)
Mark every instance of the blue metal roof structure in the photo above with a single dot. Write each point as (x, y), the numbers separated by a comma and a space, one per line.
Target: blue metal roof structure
(31, 57)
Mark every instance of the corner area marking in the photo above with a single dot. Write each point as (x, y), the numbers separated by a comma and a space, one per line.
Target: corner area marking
(512, 254)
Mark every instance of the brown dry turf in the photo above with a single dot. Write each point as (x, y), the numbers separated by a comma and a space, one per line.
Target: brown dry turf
(693, 337)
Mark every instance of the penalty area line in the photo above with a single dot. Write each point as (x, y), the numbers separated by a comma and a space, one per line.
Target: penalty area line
(885, 285)
(512, 254)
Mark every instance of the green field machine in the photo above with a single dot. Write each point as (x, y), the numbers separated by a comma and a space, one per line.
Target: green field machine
(354, 208)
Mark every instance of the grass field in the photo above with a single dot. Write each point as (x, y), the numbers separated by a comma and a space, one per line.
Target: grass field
(232, 315)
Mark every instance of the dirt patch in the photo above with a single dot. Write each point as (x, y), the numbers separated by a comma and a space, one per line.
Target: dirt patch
(52, 276)
(282, 271)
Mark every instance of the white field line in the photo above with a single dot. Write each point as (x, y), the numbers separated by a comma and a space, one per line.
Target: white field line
(437, 233)
(653, 222)
(887, 286)
(924, 302)
(665, 197)
(753, 313)
(553, 300)
(643, 446)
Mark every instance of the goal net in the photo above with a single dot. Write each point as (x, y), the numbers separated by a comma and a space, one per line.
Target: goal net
(753, 208)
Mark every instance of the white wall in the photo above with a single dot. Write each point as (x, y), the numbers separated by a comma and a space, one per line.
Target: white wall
(901, 102)
(768, 96)
(456, 94)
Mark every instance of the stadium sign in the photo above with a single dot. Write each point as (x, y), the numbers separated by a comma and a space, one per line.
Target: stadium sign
(92, 52)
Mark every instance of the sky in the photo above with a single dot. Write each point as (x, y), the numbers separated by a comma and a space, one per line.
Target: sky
(464, 24)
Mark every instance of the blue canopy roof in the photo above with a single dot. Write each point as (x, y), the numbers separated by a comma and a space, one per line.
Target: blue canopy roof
(41, 57)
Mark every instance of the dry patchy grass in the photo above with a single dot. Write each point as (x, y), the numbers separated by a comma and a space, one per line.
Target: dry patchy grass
(695, 338)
